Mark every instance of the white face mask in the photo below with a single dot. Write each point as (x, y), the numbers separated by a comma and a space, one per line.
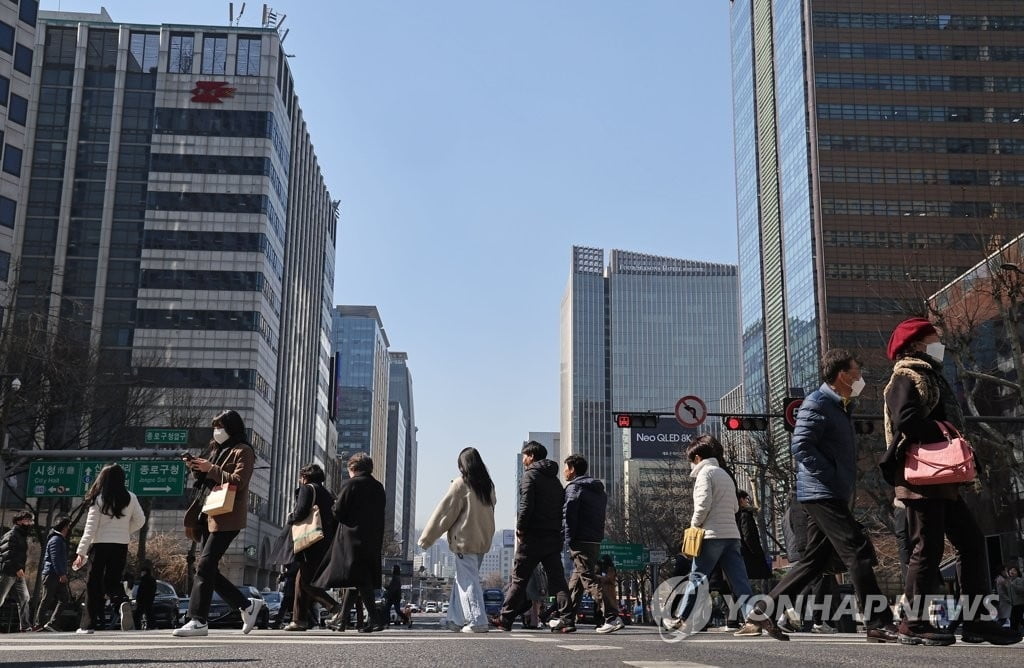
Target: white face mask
(856, 387)
(935, 350)
(220, 435)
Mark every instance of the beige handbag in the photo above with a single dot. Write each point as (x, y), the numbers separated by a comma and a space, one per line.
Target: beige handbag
(220, 501)
(310, 530)
(693, 539)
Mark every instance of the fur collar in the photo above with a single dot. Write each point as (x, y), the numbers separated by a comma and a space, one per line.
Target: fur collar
(922, 373)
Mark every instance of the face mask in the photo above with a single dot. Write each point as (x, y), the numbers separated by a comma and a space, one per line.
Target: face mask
(856, 387)
(935, 350)
(220, 435)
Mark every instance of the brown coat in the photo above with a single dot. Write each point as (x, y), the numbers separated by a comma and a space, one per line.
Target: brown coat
(235, 468)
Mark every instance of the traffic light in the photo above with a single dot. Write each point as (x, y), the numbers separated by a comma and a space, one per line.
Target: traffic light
(864, 426)
(790, 406)
(636, 421)
(745, 423)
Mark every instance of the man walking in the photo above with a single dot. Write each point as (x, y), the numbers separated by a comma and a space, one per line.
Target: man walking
(13, 555)
(583, 521)
(355, 557)
(539, 530)
(824, 448)
(56, 595)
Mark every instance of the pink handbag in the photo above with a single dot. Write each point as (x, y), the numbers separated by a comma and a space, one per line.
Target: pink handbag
(948, 461)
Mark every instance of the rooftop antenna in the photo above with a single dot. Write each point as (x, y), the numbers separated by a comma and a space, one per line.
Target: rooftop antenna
(240, 13)
(285, 35)
(231, 13)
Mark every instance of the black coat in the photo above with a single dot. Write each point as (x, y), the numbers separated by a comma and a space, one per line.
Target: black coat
(14, 550)
(585, 505)
(307, 496)
(541, 499)
(750, 545)
(355, 556)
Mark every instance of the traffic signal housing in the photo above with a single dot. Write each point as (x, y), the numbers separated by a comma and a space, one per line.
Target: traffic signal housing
(636, 421)
(745, 423)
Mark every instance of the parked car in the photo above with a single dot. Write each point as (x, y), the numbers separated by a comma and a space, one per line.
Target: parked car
(585, 610)
(221, 615)
(444, 608)
(493, 598)
(165, 611)
(273, 600)
(415, 607)
(431, 607)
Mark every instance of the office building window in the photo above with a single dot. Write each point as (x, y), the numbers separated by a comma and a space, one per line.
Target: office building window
(60, 47)
(12, 160)
(8, 210)
(5, 89)
(6, 37)
(181, 52)
(143, 51)
(28, 11)
(23, 59)
(5, 265)
(215, 54)
(248, 61)
(18, 109)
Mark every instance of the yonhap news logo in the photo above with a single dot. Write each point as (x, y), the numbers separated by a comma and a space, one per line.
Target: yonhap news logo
(688, 596)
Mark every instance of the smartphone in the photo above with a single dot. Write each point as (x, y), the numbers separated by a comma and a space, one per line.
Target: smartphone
(187, 456)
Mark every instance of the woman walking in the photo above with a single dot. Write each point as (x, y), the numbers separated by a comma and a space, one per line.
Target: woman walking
(229, 460)
(467, 513)
(714, 510)
(311, 495)
(114, 515)
(917, 398)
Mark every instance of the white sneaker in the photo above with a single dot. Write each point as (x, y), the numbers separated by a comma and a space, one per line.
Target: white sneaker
(611, 627)
(86, 632)
(452, 626)
(127, 621)
(671, 623)
(191, 629)
(823, 628)
(251, 614)
(469, 628)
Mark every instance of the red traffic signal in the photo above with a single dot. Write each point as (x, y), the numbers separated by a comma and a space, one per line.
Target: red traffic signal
(636, 421)
(745, 423)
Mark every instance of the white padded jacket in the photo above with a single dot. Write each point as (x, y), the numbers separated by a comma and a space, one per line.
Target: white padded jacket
(714, 500)
(101, 528)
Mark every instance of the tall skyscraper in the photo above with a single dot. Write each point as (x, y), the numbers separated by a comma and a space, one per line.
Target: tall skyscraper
(879, 153)
(400, 390)
(636, 336)
(362, 347)
(394, 477)
(17, 45)
(175, 221)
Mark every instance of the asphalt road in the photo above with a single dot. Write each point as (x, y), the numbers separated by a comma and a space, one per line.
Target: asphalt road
(427, 645)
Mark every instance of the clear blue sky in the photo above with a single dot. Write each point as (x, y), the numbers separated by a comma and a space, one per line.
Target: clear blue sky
(472, 143)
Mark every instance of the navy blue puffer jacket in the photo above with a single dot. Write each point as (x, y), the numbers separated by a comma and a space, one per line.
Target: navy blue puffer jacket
(824, 448)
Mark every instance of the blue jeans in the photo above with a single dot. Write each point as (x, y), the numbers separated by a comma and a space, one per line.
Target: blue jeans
(715, 551)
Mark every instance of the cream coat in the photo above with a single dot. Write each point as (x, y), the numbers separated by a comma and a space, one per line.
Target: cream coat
(714, 500)
(100, 528)
(468, 521)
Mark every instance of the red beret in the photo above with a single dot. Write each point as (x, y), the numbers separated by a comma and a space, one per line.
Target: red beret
(908, 331)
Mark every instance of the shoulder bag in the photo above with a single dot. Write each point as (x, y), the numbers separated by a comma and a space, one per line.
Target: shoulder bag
(309, 531)
(693, 540)
(947, 461)
(221, 499)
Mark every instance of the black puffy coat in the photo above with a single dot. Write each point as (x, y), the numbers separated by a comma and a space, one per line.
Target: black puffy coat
(14, 550)
(354, 559)
(541, 500)
(584, 510)
(750, 545)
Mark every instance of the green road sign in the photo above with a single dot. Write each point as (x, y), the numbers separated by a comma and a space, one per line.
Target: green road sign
(73, 479)
(627, 556)
(167, 437)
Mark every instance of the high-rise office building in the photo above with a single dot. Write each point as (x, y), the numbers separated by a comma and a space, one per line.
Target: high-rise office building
(400, 390)
(636, 336)
(17, 44)
(879, 153)
(551, 441)
(364, 372)
(394, 477)
(174, 219)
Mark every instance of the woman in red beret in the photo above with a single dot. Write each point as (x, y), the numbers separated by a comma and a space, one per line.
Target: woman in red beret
(917, 396)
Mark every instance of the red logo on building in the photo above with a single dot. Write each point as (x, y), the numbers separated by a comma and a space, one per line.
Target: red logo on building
(211, 91)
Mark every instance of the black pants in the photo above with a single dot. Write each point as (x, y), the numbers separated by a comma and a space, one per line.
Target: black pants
(832, 530)
(396, 604)
(366, 593)
(584, 576)
(105, 573)
(825, 589)
(56, 597)
(209, 578)
(929, 523)
(1017, 617)
(547, 552)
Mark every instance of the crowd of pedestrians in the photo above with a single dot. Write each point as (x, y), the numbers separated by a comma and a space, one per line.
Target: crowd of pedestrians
(823, 536)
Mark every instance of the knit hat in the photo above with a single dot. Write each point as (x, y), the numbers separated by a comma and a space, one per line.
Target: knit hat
(908, 331)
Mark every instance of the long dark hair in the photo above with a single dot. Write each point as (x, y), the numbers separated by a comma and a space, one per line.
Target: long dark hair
(474, 472)
(233, 424)
(110, 486)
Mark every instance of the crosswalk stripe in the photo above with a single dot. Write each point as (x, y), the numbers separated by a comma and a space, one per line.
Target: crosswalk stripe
(588, 648)
(667, 664)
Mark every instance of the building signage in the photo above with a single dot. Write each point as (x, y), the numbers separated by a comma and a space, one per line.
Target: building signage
(212, 91)
(666, 441)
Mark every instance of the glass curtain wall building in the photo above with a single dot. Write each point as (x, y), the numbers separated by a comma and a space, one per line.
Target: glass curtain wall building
(637, 336)
(400, 390)
(878, 155)
(362, 349)
(171, 223)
